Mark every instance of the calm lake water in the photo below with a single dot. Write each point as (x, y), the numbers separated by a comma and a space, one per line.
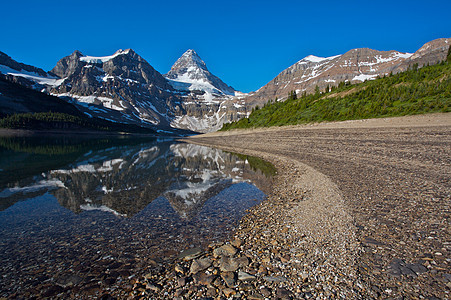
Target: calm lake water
(79, 215)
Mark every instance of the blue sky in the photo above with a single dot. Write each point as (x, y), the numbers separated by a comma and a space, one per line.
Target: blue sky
(245, 43)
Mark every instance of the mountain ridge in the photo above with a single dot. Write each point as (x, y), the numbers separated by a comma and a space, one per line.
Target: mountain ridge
(356, 65)
(125, 88)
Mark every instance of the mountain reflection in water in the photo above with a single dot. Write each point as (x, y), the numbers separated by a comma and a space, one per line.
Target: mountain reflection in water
(124, 179)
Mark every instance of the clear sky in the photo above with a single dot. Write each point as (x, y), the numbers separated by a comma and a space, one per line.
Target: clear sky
(245, 43)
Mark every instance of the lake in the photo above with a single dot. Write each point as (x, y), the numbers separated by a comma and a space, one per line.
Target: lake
(80, 215)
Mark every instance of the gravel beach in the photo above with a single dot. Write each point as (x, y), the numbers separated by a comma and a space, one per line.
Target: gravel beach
(359, 209)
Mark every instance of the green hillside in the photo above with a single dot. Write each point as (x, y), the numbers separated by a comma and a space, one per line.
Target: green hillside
(416, 91)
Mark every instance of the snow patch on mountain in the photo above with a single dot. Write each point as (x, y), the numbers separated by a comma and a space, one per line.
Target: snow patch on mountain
(105, 101)
(50, 81)
(102, 59)
(316, 59)
(187, 82)
(363, 77)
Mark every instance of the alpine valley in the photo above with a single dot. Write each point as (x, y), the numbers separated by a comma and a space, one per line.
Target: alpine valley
(125, 88)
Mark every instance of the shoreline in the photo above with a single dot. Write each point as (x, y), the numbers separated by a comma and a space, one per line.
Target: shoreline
(7, 132)
(348, 192)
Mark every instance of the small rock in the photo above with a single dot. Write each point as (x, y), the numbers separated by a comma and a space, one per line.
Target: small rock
(417, 268)
(242, 261)
(275, 278)
(182, 281)
(153, 287)
(179, 293)
(228, 264)
(190, 254)
(265, 292)
(69, 280)
(228, 292)
(262, 270)
(211, 292)
(215, 245)
(203, 279)
(255, 297)
(237, 243)
(266, 260)
(229, 278)
(243, 276)
(200, 264)
(283, 293)
(225, 250)
(179, 269)
(217, 282)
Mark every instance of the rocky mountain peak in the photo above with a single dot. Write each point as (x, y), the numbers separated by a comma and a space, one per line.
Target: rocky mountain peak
(77, 54)
(190, 73)
(67, 65)
(189, 64)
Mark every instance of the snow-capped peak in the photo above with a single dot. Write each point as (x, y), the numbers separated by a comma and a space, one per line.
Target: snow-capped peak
(316, 59)
(102, 59)
(189, 60)
(190, 73)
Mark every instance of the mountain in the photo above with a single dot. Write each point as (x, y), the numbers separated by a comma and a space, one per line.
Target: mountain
(122, 87)
(190, 73)
(207, 101)
(414, 91)
(354, 66)
(125, 88)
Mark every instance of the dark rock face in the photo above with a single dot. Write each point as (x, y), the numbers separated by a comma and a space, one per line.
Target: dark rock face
(68, 65)
(123, 82)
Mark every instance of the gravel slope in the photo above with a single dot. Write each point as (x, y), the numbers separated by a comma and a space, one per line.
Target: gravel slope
(360, 209)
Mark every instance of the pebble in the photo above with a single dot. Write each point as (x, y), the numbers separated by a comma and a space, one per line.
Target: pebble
(225, 250)
(190, 254)
(275, 278)
(200, 264)
(228, 264)
(229, 278)
(243, 276)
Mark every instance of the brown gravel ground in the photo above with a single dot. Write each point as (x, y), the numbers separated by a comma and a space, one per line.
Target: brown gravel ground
(359, 209)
